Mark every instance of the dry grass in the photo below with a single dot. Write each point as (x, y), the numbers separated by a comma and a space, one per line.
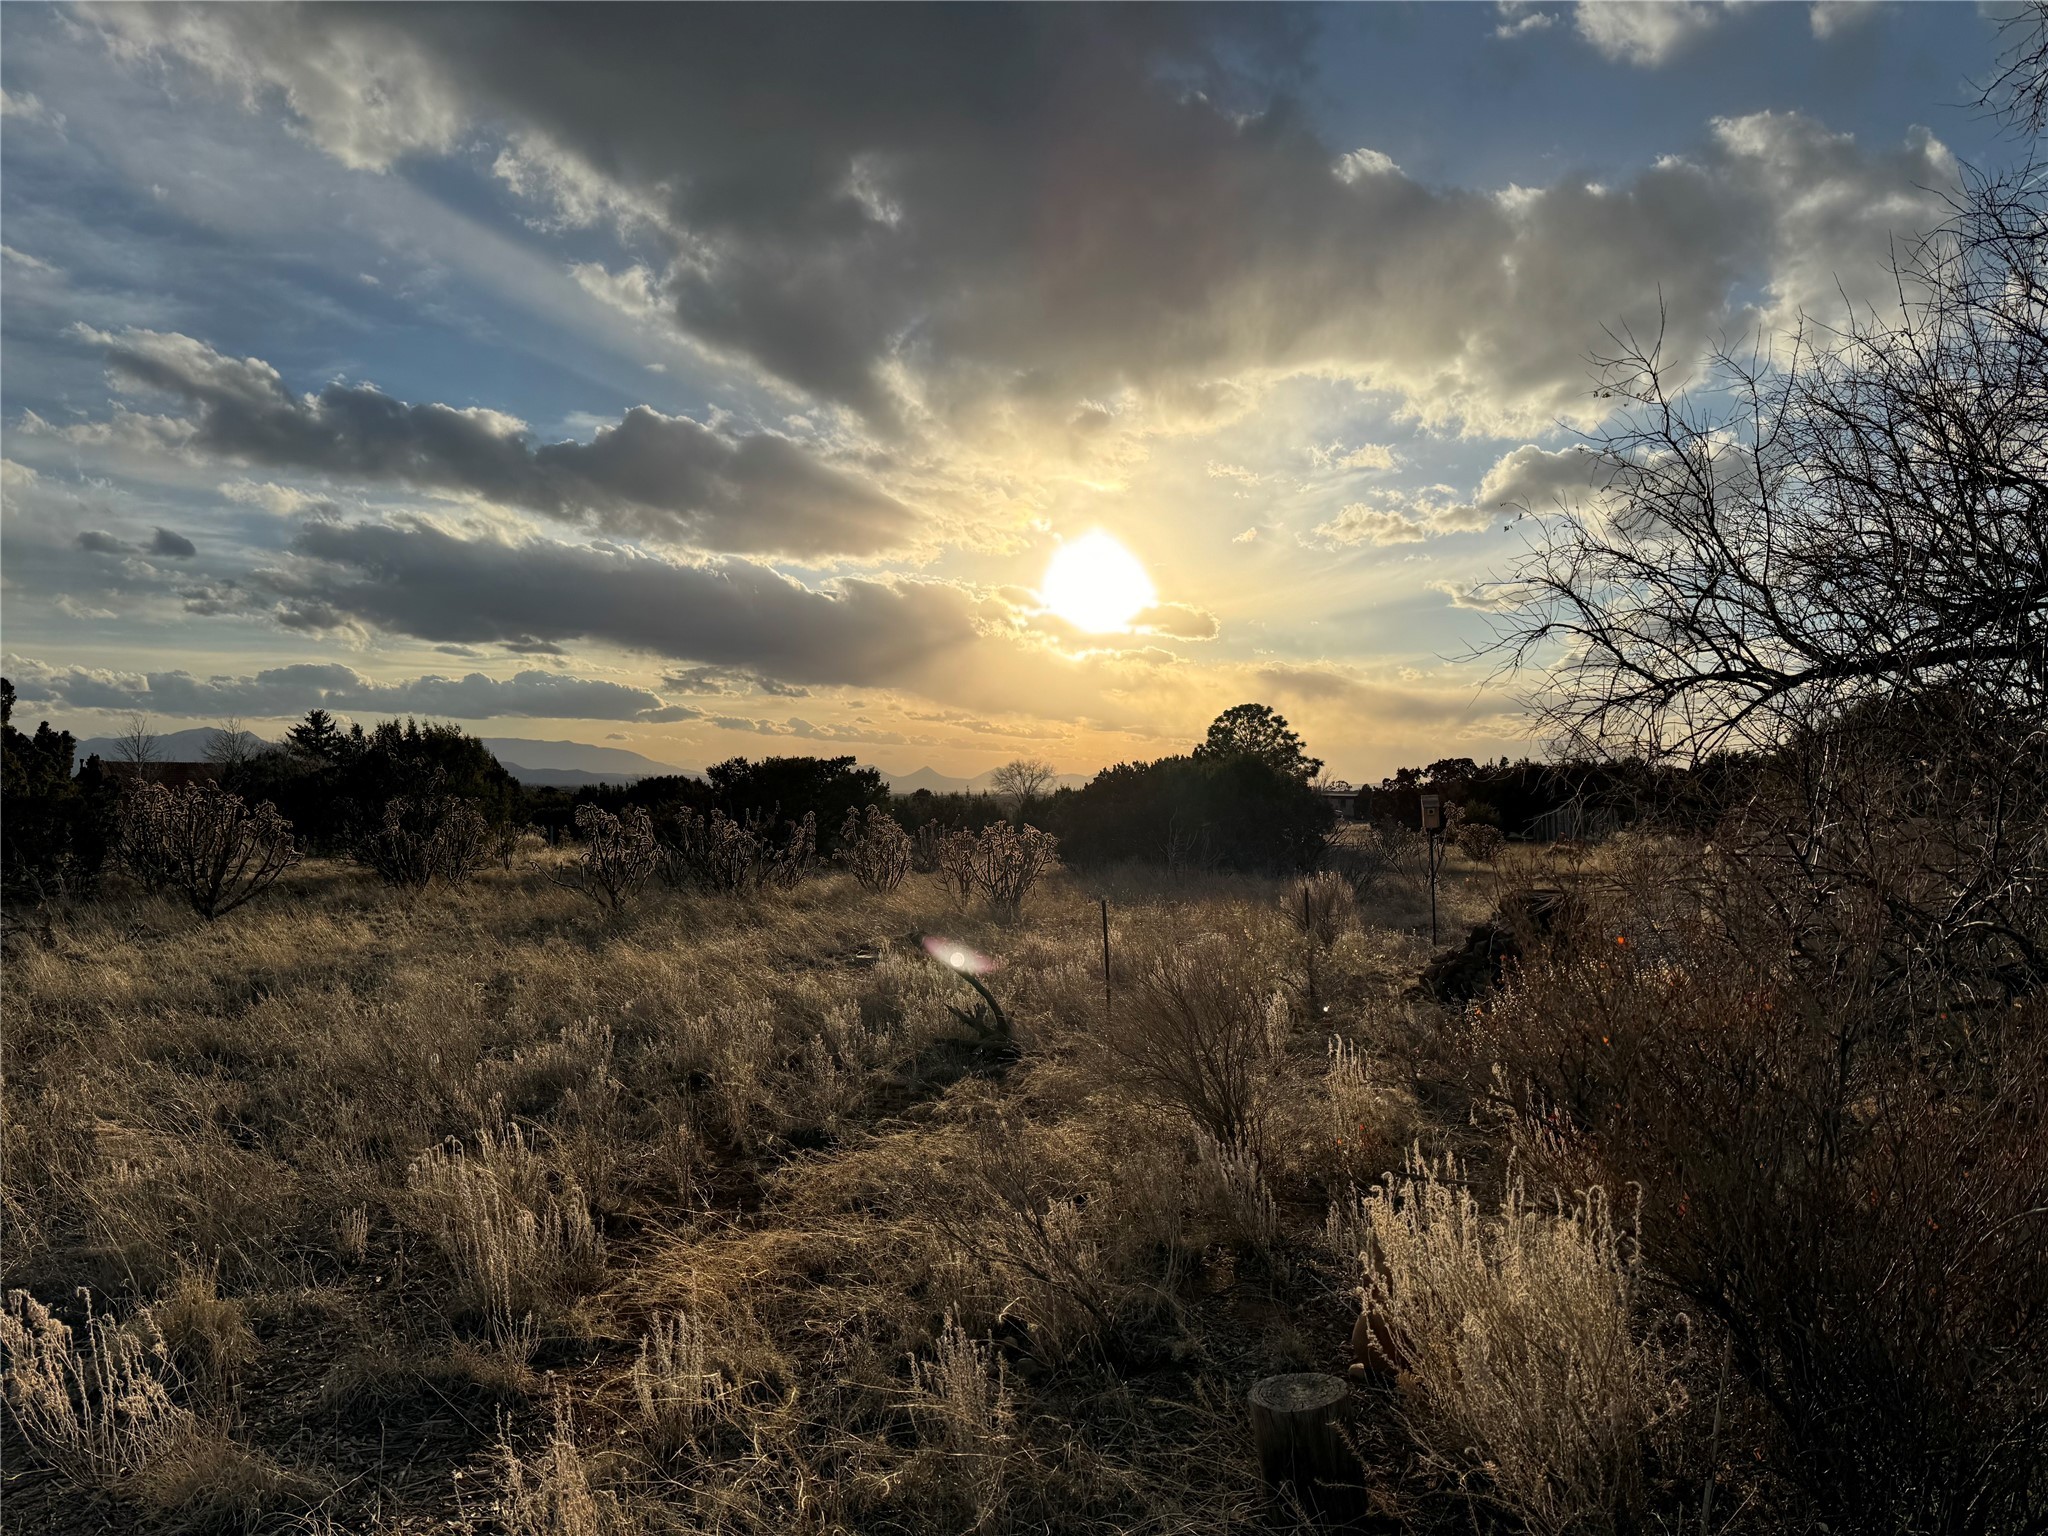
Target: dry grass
(699, 1214)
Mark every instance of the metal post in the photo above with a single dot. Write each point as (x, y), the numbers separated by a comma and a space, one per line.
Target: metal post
(1105, 960)
(1432, 887)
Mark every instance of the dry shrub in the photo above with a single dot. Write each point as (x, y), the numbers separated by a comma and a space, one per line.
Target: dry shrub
(737, 858)
(1234, 1189)
(102, 1412)
(204, 844)
(962, 1392)
(1863, 1205)
(1516, 1336)
(875, 850)
(1322, 908)
(998, 862)
(678, 1394)
(515, 1244)
(552, 1494)
(619, 853)
(1481, 842)
(208, 1336)
(1194, 1030)
(1026, 1234)
(427, 838)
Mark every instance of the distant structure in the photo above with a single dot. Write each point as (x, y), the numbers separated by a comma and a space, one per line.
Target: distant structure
(1341, 797)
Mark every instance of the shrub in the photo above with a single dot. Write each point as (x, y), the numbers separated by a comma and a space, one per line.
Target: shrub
(1518, 1335)
(678, 1395)
(512, 1241)
(1193, 1031)
(875, 849)
(619, 853)
(734, 858)
(205, 844)
(999, 862)
(425, 839)
(1482, 842)
(1863, 1211)
(102, 1413)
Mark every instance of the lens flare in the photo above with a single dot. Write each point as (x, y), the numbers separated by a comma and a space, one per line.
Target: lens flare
(959, 956)
(1097, 585)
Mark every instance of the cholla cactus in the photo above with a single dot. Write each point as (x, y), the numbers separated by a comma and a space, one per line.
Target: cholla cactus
(875, 849)
(424, 839)
(205, 844)
(1000, 862)
(733, 858)
(619, 853)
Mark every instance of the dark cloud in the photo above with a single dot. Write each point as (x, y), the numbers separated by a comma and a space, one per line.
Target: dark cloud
(918, 209)
(415, 579)
(650, 475)
(291, 690)
(174, 545)
(95, 541)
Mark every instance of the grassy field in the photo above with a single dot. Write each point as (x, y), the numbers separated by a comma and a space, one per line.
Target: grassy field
(484, 1211)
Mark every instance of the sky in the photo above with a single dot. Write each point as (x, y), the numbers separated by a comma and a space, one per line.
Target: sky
(723, 380)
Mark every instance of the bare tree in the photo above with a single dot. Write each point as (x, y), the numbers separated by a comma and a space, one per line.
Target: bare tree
(2018, 88)
(1865, 523)
(137, 746)
(232, 746)
(1025, 779)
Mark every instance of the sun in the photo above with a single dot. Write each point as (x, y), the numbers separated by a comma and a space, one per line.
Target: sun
(1097, 585)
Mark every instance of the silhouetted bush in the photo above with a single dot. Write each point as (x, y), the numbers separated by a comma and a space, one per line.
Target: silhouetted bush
(999, 862)
(874, 849)
(1224, 812)
(56, 831)
(422, 840)
(792, 788)
(733, 858)
(207, 845)
(619, 853)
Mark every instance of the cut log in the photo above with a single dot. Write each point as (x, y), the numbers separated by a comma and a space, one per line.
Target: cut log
(1295, 1423)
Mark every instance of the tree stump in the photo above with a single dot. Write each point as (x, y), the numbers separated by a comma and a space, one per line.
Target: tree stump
(1295, 1428)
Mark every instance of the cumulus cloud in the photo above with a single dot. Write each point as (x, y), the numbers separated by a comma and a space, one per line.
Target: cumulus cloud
(412, 578)
(926, 216)
(1646, 32)
(650, 475)
(292, 690)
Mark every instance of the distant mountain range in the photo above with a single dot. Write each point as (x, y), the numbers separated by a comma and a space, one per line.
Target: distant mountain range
(561, 764)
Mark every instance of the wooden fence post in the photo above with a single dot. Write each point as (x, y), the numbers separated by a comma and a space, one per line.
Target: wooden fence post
(1295, 1423)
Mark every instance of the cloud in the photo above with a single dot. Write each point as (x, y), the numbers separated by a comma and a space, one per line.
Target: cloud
(415, 579)
(927, 217)
(1178, 620)
(1483, 597)
(1646, 33)
(1401, 517)
(174, 545)
(648, 475)
(1535, 479)
(1833, 18)
(1517, 20)
(292, 690)
(98, 541)
(726, 682)
(1364, 456)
